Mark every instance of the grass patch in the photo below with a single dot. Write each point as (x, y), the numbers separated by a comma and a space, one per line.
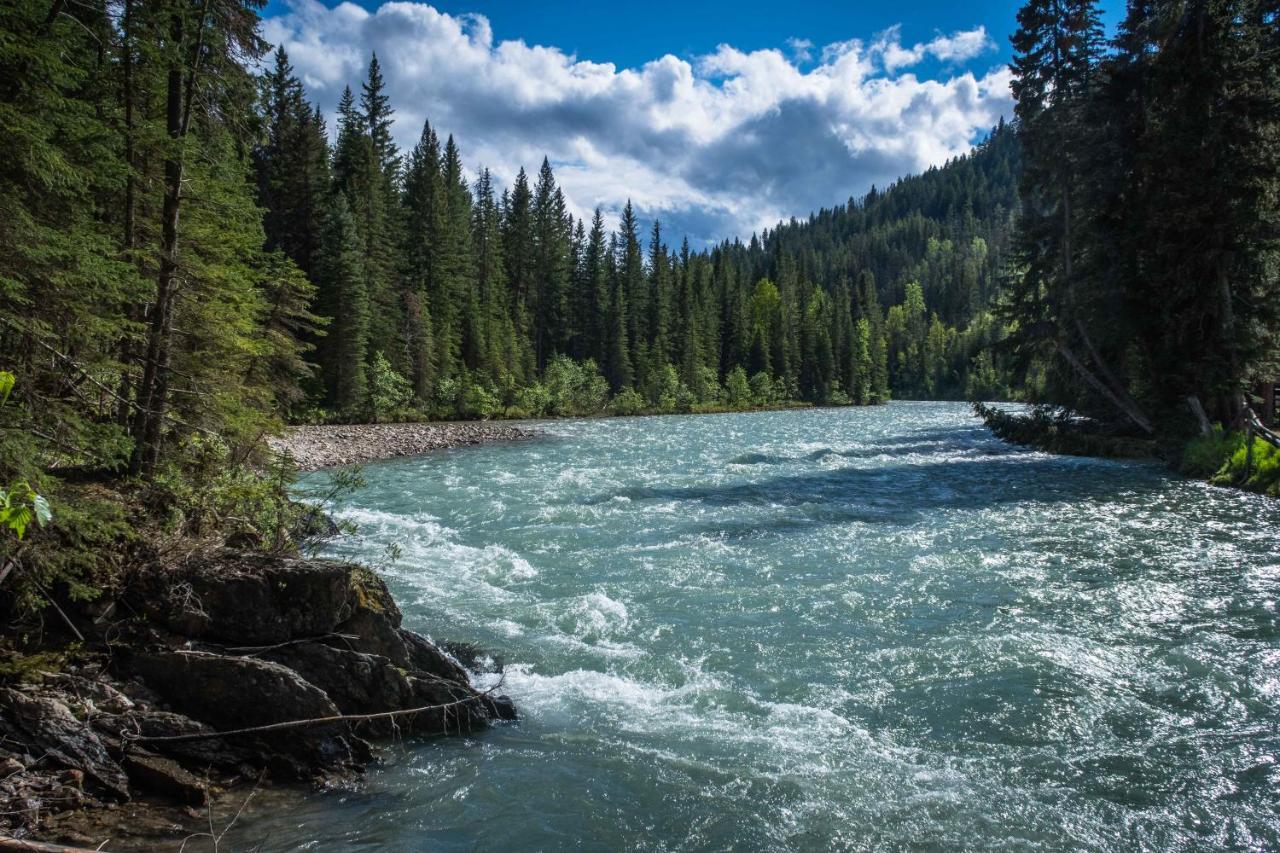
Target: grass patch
(1221, 458)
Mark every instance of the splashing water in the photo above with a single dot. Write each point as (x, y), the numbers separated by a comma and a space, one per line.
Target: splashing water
(828, 629)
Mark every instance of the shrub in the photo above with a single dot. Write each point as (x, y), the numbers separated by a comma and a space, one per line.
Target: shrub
(1262, 476)
(666, 392)
(389, 392)
(705, 386)
(575, 388)
(738, 388)
(764, 391)
(478, 400)
(1206, 455)
(837, 397)
(627, 402)
(532, 401)
(445, 397)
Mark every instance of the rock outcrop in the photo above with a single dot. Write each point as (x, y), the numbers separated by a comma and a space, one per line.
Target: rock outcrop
(308, 655)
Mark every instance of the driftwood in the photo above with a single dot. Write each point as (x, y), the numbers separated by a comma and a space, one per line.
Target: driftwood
(17, 844)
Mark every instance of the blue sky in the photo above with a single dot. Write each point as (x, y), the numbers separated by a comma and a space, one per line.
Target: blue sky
(719, 118)
(632, 35)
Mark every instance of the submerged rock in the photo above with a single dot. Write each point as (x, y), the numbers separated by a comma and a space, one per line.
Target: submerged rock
(166, 778)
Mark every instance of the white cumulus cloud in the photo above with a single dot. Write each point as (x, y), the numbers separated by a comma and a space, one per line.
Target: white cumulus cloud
(717, 147)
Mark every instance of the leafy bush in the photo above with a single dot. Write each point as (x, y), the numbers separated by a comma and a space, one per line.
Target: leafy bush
(389, 392)
(575, 388)
(627, 402)
(738, 388)
(1262, 476)
(837, 397)
(21, 506)
(444, 398)
(478, 401)
(764, 391)
(532, 401)
(705, 386)
(665, 391)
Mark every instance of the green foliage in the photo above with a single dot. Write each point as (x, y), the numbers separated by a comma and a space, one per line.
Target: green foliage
(574, 388)
(1261, 475)
(18, 667)
(479, 400)
(765, 391)
(457, 287)
(532, 401)
(20, 505)
(206, 491)
(389, 392)
(627, 402)
(1148, 259)
(1207, 455)
(738, 388)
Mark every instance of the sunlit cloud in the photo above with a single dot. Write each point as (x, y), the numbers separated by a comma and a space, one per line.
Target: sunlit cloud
(718, 146)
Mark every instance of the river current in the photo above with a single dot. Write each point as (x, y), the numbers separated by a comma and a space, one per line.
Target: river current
(843, 629)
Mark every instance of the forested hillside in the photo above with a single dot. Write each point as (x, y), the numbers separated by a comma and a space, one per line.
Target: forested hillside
(460, 298)
(189, 257)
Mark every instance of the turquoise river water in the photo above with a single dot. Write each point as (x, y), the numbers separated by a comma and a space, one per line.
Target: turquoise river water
(831, 629)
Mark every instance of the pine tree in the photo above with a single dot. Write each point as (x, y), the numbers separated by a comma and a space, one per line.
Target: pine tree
(633, 294)
(342, 283)
(552, 268)
(518, 254)
(594, 294)
(422, 196)
(619, 368)
(1058, 47)
(494, 324)
(451, 262)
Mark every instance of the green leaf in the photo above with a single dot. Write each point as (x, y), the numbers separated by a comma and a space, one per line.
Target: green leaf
(7, 381)
(18, 518)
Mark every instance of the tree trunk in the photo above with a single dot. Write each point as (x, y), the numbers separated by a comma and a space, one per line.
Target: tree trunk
(123, 410)
(1101, 387)
(153, 391)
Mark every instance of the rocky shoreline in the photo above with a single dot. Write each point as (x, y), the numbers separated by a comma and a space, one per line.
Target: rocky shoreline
(226, 671)
(316, 447)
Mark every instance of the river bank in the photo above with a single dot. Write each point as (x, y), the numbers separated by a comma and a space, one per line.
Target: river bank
(327, 446)
(203, 680)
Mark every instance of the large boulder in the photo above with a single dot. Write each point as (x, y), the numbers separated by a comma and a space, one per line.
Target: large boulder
(231, 692)
(247, 599)
(238, 692)
(358, 683)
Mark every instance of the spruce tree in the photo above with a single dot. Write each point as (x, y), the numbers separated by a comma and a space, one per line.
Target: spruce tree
(342, 281)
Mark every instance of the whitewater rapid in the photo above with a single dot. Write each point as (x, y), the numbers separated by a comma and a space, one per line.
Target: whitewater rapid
(828, 629)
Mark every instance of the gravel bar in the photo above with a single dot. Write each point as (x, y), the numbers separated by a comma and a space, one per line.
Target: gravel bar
(315, 447)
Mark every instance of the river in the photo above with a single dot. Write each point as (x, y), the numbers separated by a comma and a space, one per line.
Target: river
(825, 629)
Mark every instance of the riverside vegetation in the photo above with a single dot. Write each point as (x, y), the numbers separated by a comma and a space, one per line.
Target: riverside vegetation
(187, 263)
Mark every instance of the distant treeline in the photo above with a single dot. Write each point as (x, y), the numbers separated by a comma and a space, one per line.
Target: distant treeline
(454, 298)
